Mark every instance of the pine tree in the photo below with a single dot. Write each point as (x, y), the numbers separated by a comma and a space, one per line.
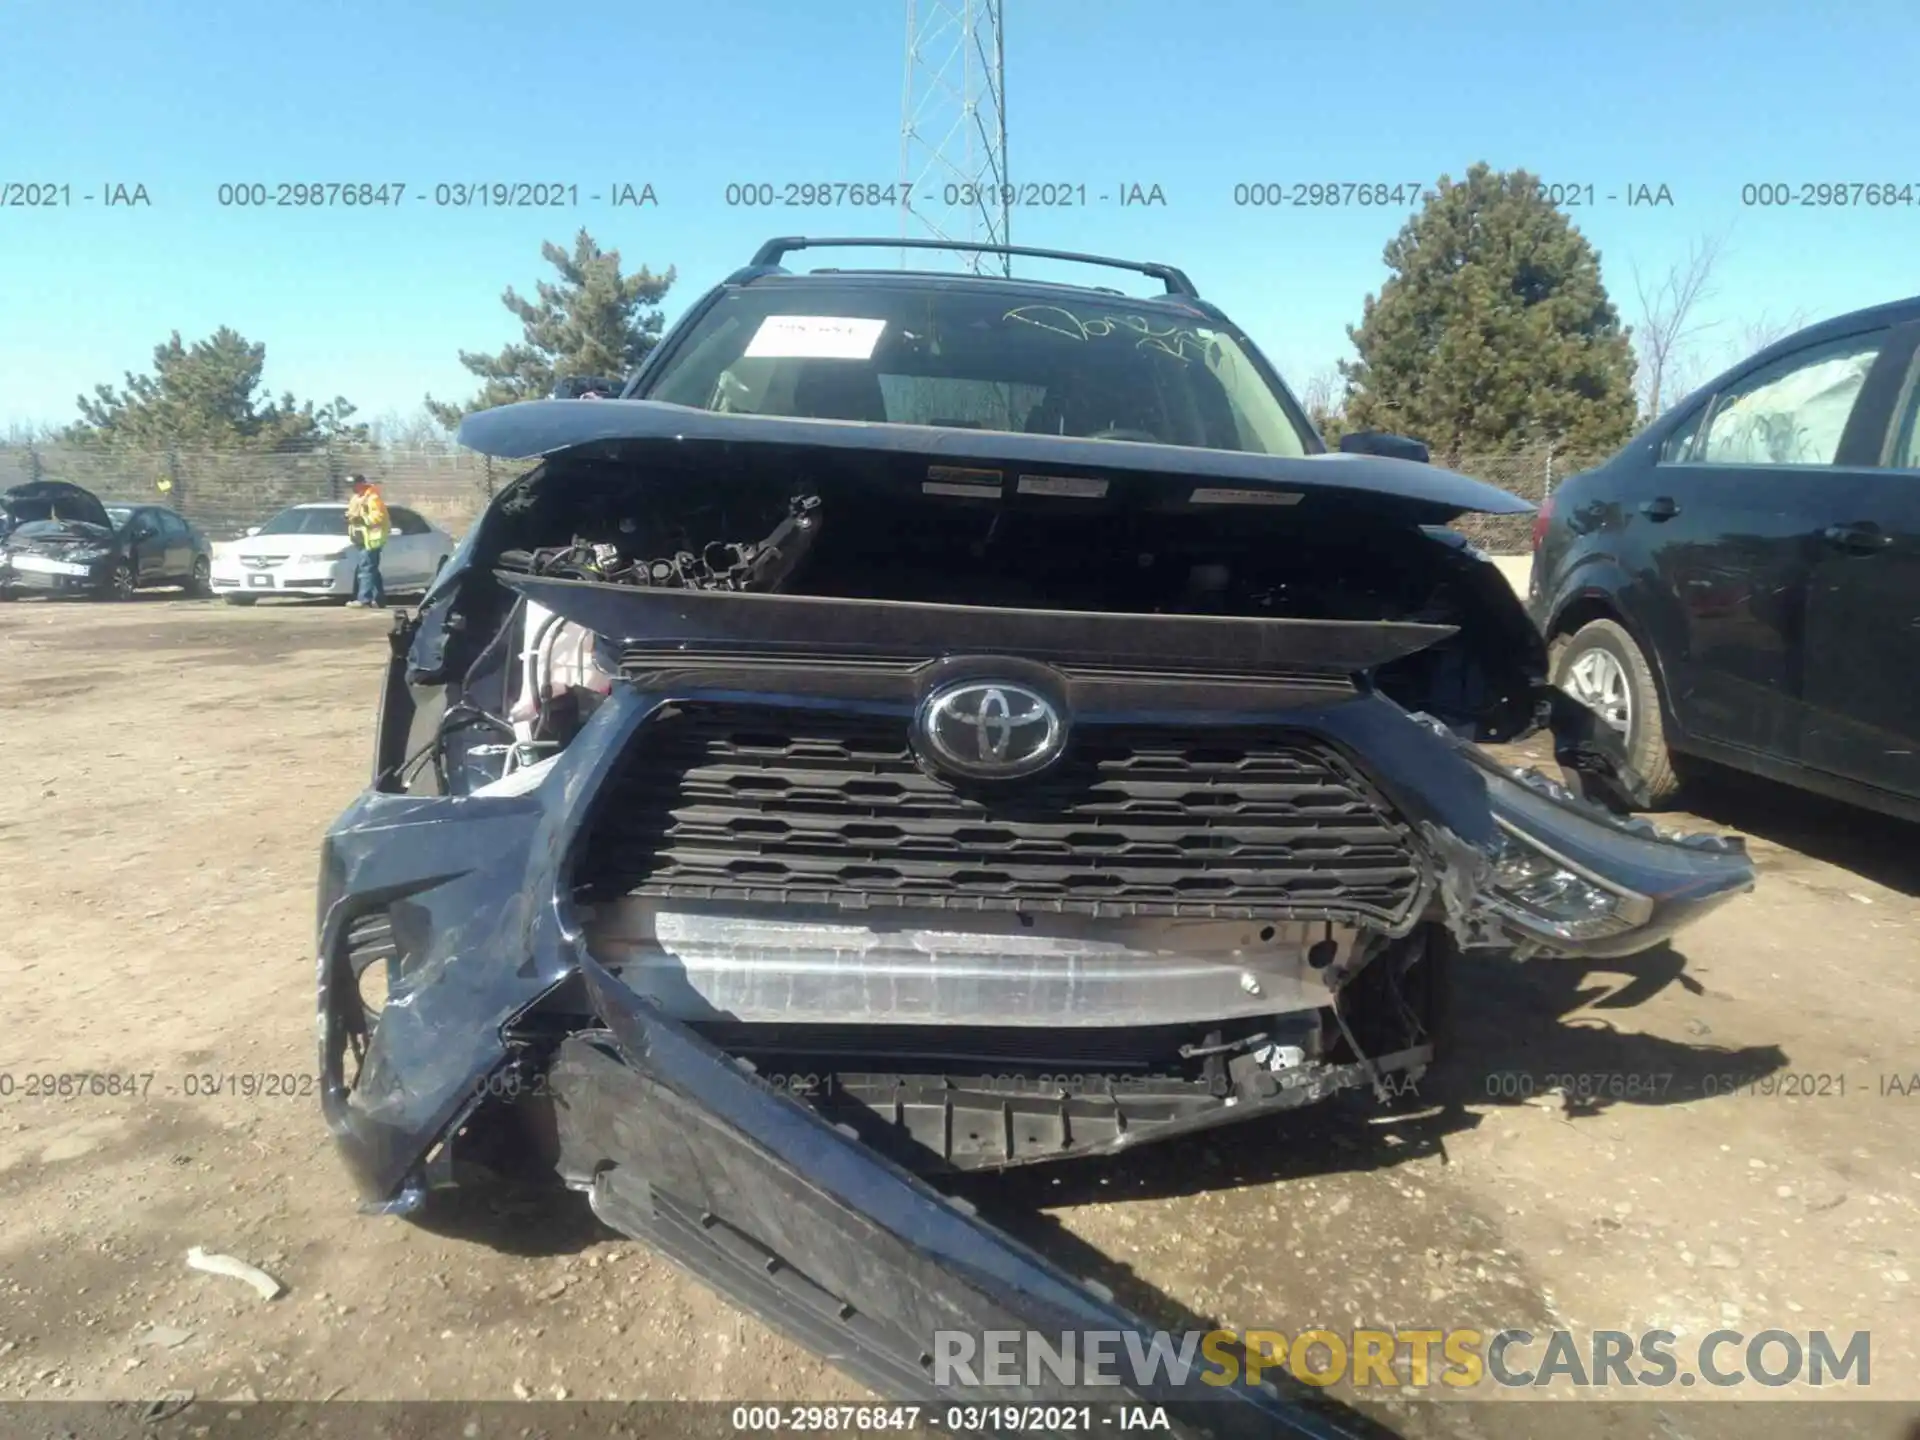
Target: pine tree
(208, 396)
(596, 321)
(1495, 332)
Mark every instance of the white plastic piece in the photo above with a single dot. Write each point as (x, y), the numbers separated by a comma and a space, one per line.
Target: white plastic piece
(555, 655)
(568, 661)
(526, 706)
(264, 1284)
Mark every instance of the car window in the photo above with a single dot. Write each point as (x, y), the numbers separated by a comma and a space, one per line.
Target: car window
(308, 520)
(1680, 442)
(1081, 365)
(1793, 412)
(1906, 441)
(405, 521)
(119, 515)
(171, 525)
(958, 403)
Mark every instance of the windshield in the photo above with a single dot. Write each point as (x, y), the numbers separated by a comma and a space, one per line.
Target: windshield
(1083, 366)
(317, 520)
(119, 515)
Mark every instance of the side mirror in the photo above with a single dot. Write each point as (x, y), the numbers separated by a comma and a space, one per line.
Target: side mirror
(253, 530)
(1381, 442)
(144, 531)
(585, 387)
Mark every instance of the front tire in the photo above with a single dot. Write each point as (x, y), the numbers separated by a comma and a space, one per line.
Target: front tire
(120, 585)
(1604, 668)
(200, 583)
(240, 599)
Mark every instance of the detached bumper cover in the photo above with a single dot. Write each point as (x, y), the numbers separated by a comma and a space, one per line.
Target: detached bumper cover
(676, 1145)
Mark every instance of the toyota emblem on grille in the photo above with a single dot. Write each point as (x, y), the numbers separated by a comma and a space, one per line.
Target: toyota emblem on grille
(991, 729)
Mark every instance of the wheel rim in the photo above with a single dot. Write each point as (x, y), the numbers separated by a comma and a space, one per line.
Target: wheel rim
(1599, 681)
(122, 581)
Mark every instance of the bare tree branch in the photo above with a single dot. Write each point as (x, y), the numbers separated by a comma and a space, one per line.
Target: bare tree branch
(419, 431)
(1325, 399)
(1757, 335)
(1667, 329)
(1753, 336)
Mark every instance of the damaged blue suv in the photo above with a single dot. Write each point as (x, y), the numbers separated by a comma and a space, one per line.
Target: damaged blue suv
(933, 722)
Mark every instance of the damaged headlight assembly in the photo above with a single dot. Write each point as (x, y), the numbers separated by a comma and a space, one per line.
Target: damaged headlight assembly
(1537, 888)
(1558, 874)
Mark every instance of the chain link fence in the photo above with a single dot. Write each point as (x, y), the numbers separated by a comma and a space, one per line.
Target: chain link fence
(224, 493)
(1531, 474)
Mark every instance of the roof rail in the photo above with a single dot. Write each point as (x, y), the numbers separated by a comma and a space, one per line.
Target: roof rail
(771, 253)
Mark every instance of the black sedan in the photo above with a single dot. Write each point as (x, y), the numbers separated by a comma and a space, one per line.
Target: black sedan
(103, 551)
(1741, 583)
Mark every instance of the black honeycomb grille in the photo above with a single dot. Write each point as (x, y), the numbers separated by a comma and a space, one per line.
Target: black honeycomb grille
(807, 807)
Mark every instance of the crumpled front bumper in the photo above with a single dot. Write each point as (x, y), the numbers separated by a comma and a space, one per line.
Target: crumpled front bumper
(677, 1143)
(474, 893)
(27, 580)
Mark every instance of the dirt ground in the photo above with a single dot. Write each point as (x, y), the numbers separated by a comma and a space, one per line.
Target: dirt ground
(171, 766)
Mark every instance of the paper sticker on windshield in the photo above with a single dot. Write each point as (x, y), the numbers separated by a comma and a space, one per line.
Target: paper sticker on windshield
(1213, 495)
(1084, 487)
(815, 337)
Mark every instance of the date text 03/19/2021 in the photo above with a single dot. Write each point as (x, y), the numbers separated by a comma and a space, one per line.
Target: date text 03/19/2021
(1659, 1085)
(70, 1085)
(446, 195)
(962, 1419)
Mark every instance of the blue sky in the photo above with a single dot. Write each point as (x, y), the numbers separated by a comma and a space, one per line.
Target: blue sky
(1700, 97)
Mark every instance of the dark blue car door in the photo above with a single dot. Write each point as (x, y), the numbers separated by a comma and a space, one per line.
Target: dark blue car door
(147, 545)
(1863, 606)
(1732, 530)
(179, 544)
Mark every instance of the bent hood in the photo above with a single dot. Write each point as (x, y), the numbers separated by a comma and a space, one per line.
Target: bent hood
(534, 429)
(49, 499)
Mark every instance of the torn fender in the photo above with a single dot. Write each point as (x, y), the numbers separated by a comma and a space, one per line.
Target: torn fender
(1592, 755)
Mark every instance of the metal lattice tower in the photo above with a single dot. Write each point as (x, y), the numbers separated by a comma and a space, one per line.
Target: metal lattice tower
(953, 125)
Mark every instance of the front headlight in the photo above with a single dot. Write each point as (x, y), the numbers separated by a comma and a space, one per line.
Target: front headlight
(1548, 893)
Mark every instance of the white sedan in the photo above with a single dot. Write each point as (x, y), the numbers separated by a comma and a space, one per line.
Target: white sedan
(304, 551)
